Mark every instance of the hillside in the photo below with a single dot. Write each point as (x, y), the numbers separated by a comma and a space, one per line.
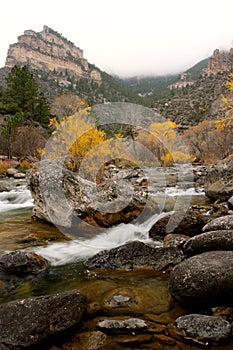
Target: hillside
(59, 67)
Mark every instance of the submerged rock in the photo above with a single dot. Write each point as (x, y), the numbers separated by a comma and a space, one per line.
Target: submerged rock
(26, 322)
(21, 262)
(221, 223)
(206, 279)
(135, 254)
(209, 241)
(202, 329)
(118, 326)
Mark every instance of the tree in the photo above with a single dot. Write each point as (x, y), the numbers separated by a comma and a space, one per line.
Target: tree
(22, 95)
(9, 131)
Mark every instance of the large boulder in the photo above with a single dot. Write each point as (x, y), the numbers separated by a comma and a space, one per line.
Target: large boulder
(64, 198)
(203, 329)
(221, 223)
(206, 279)
(208, 241)
(191, 224)
(21, 262)
(26, 322)
(135, 254)
(219, 181)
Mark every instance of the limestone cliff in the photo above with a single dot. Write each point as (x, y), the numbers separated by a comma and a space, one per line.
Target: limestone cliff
(49, 51)
(221, 61)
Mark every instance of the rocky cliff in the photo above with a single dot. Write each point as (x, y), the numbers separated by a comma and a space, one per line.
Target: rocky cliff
(50, 51)
(59, 67)
(221, 61)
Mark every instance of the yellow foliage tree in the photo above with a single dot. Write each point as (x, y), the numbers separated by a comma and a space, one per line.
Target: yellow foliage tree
(85, 145)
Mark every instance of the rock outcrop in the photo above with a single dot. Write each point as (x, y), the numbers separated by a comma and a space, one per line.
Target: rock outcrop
(221, 61)
(50, 51)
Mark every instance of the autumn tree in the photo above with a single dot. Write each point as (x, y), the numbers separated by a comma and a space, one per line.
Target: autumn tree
(66, 104)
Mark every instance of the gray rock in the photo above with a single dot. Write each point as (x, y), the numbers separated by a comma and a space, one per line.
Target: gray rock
(221, 223)
(21, 262)
(203, 329)
(135, 254)
(26, 322)
(130, 325)
(230, 201)
(206, 278)
(64, 198)
(191, 224)
(219, 181)
(209, 241)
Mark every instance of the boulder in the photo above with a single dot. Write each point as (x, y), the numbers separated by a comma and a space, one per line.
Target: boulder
(208, 241)
(64, 198)
(191, 224)
(221, 223)
(22, 262)
(206, 279)
(26, 322)
(135, 254)
(219, 181)
(203, 329)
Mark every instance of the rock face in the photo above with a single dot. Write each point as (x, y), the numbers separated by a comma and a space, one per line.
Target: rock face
(135, 254)
(220, 61)
(209, 241)
(64, 198)
(22, 263)
(26, 322)
(49, 51)
(219, 181)
(203, 279)
(203, 329)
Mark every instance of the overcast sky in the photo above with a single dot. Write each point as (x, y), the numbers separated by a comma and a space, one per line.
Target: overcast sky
(127, 37)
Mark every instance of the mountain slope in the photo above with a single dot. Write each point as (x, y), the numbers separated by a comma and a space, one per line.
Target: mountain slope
(59, 67)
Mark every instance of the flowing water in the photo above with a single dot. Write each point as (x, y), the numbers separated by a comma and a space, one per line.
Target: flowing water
(65, 254)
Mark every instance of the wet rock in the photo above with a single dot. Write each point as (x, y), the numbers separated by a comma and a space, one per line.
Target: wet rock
(221, 223)
(64, 198)
(26, 322)
(206, 279)
(174, 240)
(202, 329)
(11, 172)
(19, 175)
(191, 224)
(4, 188)
(121, 326)
(219, 181)
(230, 201)
(209, 241)
(135, 254)
(22, 262)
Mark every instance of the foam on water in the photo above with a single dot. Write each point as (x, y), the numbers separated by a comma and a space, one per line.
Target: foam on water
(18, 198)
(63, 253)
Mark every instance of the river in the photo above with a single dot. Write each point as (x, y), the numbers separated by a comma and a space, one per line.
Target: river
(66, 253)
